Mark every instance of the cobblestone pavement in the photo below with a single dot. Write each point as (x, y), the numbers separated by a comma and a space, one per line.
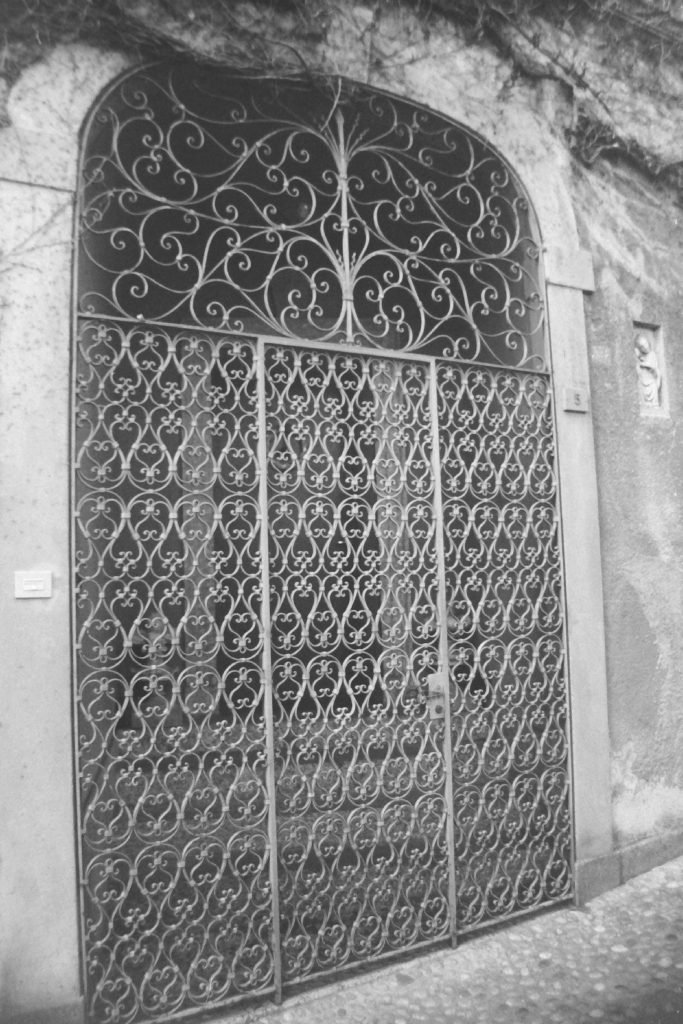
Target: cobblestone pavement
(619, 958)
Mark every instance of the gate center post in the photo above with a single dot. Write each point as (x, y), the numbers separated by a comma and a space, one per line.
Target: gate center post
(442, 615)
(267, 669)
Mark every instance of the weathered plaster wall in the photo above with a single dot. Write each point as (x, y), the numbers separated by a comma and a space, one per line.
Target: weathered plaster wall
(35, 760)
(38, 893)
(636, 235)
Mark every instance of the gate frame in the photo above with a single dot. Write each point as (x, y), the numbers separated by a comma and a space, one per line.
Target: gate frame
(565, 274)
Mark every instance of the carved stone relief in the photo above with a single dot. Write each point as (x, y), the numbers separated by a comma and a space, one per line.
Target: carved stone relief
(647, 348)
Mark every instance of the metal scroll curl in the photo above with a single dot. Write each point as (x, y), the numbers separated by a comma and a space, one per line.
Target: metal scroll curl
(318, 210)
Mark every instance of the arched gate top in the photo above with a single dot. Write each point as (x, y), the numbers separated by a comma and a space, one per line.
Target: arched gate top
(318, 209)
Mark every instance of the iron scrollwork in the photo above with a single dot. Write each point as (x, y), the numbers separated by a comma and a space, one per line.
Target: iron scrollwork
(360, 772)
(306, 210)
(509, 715)
(172, 745)
(261, 534)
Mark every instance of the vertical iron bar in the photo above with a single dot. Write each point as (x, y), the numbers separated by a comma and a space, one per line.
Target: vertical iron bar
(267, 669)
(73, 615)
(347, 290)
(566, 668)
(442, 611)
(76, 327)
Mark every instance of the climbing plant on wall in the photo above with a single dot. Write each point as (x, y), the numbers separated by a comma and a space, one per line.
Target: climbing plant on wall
(541, 39)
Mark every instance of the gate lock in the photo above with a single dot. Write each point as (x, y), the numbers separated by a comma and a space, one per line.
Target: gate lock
(436, 695)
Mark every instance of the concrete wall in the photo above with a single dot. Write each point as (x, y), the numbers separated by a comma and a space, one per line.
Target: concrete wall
(638, 462)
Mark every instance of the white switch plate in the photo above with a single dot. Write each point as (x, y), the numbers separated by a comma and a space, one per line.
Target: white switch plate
(33, 584)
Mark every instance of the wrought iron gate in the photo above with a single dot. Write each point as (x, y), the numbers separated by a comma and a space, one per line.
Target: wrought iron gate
(321, 708)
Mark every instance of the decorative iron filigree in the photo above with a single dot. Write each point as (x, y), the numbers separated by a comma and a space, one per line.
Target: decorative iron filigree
(306, 210)
(172, 749)
(506, 648)
(226, 743)
(360, 772)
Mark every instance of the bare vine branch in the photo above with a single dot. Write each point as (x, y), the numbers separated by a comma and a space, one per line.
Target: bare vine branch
(278, 36)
